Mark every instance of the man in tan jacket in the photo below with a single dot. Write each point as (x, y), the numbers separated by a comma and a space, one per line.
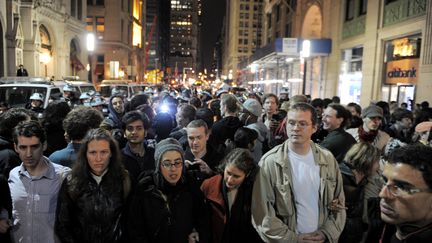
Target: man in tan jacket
(298, 193)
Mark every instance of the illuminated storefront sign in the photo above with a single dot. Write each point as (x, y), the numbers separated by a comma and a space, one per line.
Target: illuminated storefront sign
(402, 71)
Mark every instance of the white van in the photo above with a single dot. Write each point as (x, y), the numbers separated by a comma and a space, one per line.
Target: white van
(16, 91)
(81, 86)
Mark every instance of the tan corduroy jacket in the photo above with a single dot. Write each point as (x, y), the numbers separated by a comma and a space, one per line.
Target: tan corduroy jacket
(273, 206)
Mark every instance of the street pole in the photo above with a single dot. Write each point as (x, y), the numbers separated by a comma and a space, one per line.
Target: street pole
(304, 76)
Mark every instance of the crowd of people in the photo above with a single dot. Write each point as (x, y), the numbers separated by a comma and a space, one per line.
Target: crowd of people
(189, 166)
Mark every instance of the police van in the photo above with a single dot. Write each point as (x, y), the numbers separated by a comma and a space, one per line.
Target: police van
(16, 91)
(74, 82)
(109, 87)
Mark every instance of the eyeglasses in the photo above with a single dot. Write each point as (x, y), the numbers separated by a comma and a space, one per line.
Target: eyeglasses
(403, 190)
(168, 165)
(300, 124)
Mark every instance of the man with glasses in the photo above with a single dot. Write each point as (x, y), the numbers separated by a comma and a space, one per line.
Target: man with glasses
(298, 192)
(34, 186)
(406, 197)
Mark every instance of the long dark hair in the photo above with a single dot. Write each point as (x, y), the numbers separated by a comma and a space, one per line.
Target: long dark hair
(81, 170)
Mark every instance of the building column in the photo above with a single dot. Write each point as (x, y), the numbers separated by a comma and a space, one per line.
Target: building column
(424, 85)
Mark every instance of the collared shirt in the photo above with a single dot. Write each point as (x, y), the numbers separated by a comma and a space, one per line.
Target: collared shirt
(34, 202)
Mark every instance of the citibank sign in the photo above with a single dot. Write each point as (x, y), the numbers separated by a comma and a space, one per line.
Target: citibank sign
(402, 71)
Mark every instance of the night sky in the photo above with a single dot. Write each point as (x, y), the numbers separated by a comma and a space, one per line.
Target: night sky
(213, 12)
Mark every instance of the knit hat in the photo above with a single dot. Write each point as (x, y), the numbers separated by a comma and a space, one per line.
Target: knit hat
(372, 111)
(423, 126)
(253, 106)
(168, 144)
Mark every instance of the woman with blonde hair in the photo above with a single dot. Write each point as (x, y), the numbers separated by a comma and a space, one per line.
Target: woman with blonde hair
(361, 161)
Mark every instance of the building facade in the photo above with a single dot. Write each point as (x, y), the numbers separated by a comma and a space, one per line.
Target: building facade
(242, 33)
(119, 52)
(47, 37)
(384, 51)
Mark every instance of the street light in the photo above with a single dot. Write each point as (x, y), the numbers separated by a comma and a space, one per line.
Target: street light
(45, 58)
(305, 53)
(90, 49)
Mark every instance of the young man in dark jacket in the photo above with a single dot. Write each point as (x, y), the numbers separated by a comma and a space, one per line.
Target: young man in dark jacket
(138, 154)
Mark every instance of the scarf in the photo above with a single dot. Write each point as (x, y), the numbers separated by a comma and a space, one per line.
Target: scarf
(367, 136)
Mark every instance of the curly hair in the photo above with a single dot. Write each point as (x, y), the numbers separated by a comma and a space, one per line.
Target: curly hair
(11, 118)
(80, 120)
(81, 170)
(55, 113)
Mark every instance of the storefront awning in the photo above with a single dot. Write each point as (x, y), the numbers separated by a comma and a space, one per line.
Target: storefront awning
(284, 48)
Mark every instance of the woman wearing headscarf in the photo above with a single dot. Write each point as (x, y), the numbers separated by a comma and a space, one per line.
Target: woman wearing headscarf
(92, 200)
(229, 197)
(168, 205)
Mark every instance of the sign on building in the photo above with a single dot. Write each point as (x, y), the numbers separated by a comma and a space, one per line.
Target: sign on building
(402, 71)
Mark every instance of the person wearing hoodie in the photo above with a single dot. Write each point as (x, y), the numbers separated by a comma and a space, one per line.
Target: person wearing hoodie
(116, 109)
(168, 205)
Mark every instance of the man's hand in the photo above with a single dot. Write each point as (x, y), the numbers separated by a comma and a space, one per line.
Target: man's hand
(313, 237)
(204, 168)
(4, 226)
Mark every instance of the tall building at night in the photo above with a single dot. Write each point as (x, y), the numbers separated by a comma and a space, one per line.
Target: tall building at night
(157, 33)
(243, 32)
(184, 35)
(117, 26)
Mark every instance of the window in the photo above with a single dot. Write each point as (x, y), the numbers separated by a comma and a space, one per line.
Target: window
(100, 2)
(73, 8)
(89, 26)
(363, 7)
(278, 13)
(100, 27)
(349, 10)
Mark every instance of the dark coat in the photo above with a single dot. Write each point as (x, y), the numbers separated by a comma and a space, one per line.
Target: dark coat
(160, 212)
(135, 165)
(9, 159)
(235, 225)
(6, 204)
(213, 158)
(225, 129)
(354, 197)
(92, 213)
(55, 138)
(413, 235)
(338, 142)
